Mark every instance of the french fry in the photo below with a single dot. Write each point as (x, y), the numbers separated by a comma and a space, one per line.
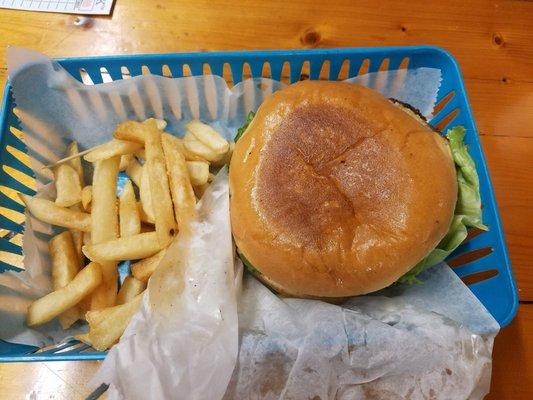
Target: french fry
(161, 124)
(189, 156)
(145, 195)
(75, 163)
(113, 148)
(125, 161)
(226, 158)
(47, 211)
(145, 219)
(143, 269)
(127, 248)
(130, 130)
(104, 222)
(130, 222)
(65, 266)
(194, 146)
(198, 172)
(130, 288)
(134, 171)
(86, 197)
(165, 224)
(104, 216)
(180, 182)
(77, 239)
(68, 186)
(208, 136)
(86, 238)
(107, 326)
(53, 304)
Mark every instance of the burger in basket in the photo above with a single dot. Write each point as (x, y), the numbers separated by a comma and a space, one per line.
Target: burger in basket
(337, 191)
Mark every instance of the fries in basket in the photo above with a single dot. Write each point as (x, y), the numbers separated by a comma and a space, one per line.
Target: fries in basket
(166, 174)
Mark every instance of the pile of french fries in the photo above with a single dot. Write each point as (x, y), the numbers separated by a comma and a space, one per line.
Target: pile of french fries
(170, 175)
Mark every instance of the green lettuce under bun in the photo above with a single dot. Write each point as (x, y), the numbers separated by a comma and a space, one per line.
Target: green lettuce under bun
(244, 126)
(467, 209)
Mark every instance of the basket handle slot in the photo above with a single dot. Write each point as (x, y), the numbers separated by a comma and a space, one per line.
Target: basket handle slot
(364, 67)
(125, 72)
(325, 69)
(227, 73)
(470, 256)
(305, 70)
(404, 64)
(447, 119)
(384, 66)
(344, 70)
(479, 276)
(286, 72)
(443, 102)
(165, 71)
(85, 77)
(246, 71)
(145, 70)
(106, 76)
(265, 70)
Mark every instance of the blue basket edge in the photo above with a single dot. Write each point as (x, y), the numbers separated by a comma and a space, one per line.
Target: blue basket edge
(289, 52)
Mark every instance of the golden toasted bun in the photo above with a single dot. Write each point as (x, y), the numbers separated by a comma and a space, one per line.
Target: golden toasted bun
(335, 191)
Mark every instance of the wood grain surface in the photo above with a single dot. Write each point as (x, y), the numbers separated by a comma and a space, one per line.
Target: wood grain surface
(492, 40)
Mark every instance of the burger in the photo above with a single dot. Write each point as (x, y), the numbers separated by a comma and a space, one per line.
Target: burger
(338, 191)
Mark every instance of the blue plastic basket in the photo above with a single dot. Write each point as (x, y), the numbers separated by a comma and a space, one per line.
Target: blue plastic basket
(482, 261)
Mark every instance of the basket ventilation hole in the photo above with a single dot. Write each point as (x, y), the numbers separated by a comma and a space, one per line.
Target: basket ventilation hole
(19, 155)
(206, 69)
(85, 78)
(145, 70)
(404, 64)
(384, 66)
(442, 102)
(246, 71)
(324, 71)
(266, 72)
(227, 74)
(470, 256)
(447, 119)
(186, 70)
(105, 75)
(11, 193)
(20, 177)
(479, 276)
(304, 72)
(365, 66)
(344, 70)
(125, 72)
(286, 73)
(16, 132)
(12, 215)
(472, 233)
(12, 259)
(165, 70)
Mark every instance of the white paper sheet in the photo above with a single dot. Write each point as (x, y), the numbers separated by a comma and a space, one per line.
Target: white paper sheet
(88, 7)
(424, 341)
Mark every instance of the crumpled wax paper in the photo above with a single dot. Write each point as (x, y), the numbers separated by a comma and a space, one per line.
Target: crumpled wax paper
(423, 341)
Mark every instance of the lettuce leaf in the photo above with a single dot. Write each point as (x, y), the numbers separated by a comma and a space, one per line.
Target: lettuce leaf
(467, 209)
(243, 128)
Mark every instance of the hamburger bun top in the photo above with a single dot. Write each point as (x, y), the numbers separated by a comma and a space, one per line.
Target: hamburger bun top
(336, 191)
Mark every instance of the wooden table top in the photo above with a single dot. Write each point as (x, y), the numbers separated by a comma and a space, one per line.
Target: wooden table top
(492, 40)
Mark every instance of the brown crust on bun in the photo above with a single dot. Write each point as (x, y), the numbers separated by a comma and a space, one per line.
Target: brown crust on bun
(337, 192)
